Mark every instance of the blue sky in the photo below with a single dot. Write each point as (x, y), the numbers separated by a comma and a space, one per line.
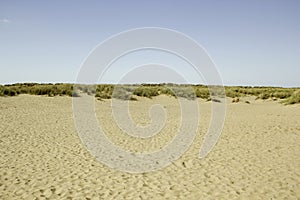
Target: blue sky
(251, 42)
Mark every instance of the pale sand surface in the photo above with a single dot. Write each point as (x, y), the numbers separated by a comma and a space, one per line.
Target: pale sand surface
(42, 157)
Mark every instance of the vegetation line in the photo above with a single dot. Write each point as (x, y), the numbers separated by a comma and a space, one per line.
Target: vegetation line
(130, 92)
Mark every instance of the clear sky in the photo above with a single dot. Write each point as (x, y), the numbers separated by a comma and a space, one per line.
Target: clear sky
(251, 42)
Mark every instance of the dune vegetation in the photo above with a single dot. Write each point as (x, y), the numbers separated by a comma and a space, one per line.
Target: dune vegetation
(130, 92)
(293, 99)
(37, 89)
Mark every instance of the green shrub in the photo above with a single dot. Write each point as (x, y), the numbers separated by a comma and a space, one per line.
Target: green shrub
(9, 92)
(103, 96)
(282, 94)
(146, 91)
(233, 93)
(202, 93)
(167, 91)
(293, 99)
(184, 92)
(104, 91)
(264, 96)
(1, 90)
(121, 93)
(217, 91)
(37, 89)
(88, 89)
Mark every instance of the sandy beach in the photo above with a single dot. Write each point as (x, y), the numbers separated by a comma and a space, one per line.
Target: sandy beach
(42, 157)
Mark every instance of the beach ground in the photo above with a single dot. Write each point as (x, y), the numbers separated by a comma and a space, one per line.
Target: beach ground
(42, 157)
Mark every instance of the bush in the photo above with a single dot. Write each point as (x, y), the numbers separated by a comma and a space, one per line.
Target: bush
(217, 91)
(167, 91)
(264, 96)
(104, 91)
(88, 89)
(121, 93)
(103, 96)
(293, 99)
(9, 92)
(184, 92)
(202, 93)
(233, 93)
(146, 91)
(282, 94)
(1, 90)
(37, 89)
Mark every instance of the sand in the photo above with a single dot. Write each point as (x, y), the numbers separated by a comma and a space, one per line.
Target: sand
(42, 157)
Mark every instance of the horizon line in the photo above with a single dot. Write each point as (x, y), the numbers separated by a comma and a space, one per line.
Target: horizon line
(145, 83)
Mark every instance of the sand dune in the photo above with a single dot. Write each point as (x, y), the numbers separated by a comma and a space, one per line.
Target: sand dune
(42, 157)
